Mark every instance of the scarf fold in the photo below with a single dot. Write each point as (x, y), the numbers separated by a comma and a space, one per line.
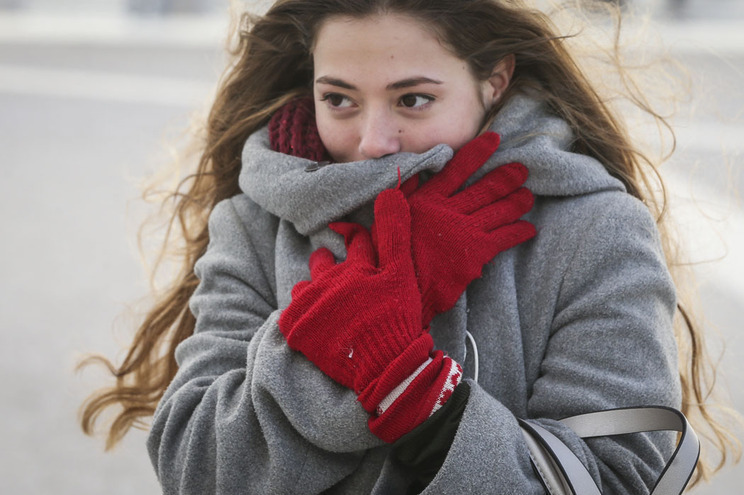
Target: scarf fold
(311, 194)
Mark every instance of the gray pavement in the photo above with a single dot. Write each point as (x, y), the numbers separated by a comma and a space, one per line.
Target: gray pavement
(86, 111)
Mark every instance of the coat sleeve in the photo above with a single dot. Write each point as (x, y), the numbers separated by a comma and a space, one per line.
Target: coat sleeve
(611, 344)
(242, 415)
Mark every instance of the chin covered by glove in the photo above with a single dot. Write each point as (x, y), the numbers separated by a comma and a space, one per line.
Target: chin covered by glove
(359, 321)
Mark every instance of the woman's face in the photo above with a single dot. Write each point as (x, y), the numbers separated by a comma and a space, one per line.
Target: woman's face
(385, 84)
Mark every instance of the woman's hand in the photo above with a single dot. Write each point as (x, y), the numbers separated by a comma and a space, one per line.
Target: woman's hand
(359, 321)
(454, 234)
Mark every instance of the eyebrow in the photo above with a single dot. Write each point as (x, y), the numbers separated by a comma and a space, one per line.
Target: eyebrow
(404, 83)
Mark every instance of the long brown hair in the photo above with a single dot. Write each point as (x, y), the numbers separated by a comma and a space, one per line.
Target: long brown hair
(273, 63)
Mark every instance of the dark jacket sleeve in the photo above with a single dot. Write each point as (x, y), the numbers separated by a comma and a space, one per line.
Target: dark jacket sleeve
(421, 452)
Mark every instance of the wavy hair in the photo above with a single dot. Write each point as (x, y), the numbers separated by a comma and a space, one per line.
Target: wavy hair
(272, 63)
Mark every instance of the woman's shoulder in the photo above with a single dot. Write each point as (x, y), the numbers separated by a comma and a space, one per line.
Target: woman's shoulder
(607, 223)
(241, 216)
(610, 208)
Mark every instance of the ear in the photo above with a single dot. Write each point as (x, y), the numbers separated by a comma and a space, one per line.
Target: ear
(499, 80)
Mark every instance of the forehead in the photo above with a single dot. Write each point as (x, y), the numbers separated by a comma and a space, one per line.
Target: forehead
(375, 23)
(378, 42)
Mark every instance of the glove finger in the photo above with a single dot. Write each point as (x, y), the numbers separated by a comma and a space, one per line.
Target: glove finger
(503, 211)
(345, 229)
(359, 247)
(465, 162)
(410, 186)
(493, 186)
(299, 288)
(321, 260)
(511, 235)
(393, 220)
(373, 234)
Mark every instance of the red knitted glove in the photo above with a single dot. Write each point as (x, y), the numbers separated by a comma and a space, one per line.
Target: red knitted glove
(454, 234)
(292, 131)
(359, 321)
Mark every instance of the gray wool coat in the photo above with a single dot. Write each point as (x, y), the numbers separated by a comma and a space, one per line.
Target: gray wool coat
(578, 319)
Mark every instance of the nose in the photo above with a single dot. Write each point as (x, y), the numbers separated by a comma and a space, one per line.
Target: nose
(379, 136)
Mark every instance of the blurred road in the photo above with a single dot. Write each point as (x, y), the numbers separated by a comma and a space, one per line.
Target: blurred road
(87, 107)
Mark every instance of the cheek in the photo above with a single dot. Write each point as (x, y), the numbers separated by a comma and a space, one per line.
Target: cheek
(454, 129)
(466, 124)
(337, 137)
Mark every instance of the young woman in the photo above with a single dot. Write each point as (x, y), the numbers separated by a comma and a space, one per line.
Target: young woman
(365, 311)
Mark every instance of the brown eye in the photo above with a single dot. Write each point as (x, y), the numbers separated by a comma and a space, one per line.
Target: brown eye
(336, 100)
(415, 101)
(409, 100)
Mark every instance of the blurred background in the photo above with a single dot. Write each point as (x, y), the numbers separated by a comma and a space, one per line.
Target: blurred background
(93, 92)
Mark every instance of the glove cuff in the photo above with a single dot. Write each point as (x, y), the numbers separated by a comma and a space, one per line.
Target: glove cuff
(425, 394)
(372, 392)
(398, 391)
